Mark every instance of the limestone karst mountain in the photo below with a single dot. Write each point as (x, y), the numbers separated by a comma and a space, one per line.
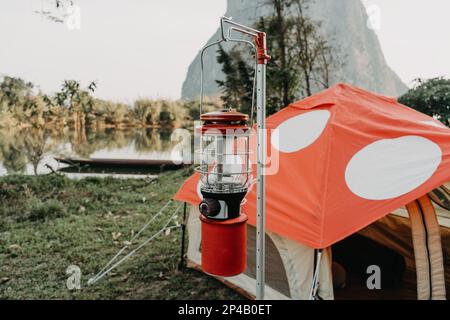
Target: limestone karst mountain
(344, 21)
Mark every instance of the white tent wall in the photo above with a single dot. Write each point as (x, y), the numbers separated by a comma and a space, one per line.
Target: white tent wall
(297, 264)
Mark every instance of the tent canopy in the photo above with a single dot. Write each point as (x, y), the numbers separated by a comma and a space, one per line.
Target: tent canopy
(346, 158)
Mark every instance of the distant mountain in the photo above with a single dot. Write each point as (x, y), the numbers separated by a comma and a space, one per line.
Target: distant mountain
(344, 21)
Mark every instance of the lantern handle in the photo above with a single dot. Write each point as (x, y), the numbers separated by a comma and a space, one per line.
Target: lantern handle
(202, 67)
(227, 38)
(244, 29)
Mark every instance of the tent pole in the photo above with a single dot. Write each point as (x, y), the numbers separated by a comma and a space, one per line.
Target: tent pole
(316, 273)
(183, 238)
(261, 159)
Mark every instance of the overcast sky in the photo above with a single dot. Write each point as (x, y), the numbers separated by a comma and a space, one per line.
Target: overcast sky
(142, 48)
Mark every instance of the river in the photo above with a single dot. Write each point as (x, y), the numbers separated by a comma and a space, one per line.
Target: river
(32, 151)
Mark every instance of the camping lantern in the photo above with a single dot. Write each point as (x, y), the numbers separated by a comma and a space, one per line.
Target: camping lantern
(224, 170)
(224, 165)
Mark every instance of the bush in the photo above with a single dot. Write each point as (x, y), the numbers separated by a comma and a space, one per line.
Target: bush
(46, 210)
(192, 107)
(431, 97)
(147, 112)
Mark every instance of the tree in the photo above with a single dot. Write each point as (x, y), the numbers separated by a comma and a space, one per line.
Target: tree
(78, 102)
(316, 57)
(303, 61)
(431, 97)
(237, 88)
(15, 92)
(18, 102)
(75, 98)
(282, 72)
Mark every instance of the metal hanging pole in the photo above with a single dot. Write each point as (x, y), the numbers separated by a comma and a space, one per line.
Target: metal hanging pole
(261, 161)
(261, 184)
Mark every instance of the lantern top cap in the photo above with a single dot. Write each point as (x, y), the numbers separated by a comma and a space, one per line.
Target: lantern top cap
(224, 117)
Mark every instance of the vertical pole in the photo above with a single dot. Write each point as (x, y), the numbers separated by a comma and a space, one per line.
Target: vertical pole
(261, 180)
(220, 143)
(183, 237)
(315, 282)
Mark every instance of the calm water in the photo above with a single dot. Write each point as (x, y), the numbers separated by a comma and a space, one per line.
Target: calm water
(32, 151)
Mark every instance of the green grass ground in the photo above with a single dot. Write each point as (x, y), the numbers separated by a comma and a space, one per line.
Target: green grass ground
(50, 222)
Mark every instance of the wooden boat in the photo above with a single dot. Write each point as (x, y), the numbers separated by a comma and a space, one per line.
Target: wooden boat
(122, 163)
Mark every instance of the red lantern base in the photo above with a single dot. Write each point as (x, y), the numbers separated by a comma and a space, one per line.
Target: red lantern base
(224, 246)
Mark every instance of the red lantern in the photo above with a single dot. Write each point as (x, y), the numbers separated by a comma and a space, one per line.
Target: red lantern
(225, 172)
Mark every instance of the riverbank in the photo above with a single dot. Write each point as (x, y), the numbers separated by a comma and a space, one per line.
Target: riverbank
(48, 223)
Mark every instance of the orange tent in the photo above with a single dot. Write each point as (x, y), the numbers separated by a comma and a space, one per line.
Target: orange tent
(347, 157)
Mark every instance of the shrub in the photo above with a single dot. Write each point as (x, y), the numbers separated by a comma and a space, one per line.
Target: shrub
(431, 97)
(46, 210)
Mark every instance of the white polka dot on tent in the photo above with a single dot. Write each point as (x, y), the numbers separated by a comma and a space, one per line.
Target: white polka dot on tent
(390, 168)
(300, 131)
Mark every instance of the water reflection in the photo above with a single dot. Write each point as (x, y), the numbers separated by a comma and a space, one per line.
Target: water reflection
(31, 151)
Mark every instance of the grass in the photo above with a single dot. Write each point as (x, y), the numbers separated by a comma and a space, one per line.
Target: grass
(48, 223)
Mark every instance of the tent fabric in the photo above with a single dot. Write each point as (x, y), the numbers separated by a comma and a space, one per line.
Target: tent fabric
(441, 208)
(347, 157)
(419, 238)
(428, 250)
(434, 243)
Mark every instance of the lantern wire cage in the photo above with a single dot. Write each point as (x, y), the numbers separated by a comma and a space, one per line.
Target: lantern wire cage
(225, 162)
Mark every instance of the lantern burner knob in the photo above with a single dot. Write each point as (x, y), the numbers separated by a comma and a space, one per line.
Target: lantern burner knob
(210, 207)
